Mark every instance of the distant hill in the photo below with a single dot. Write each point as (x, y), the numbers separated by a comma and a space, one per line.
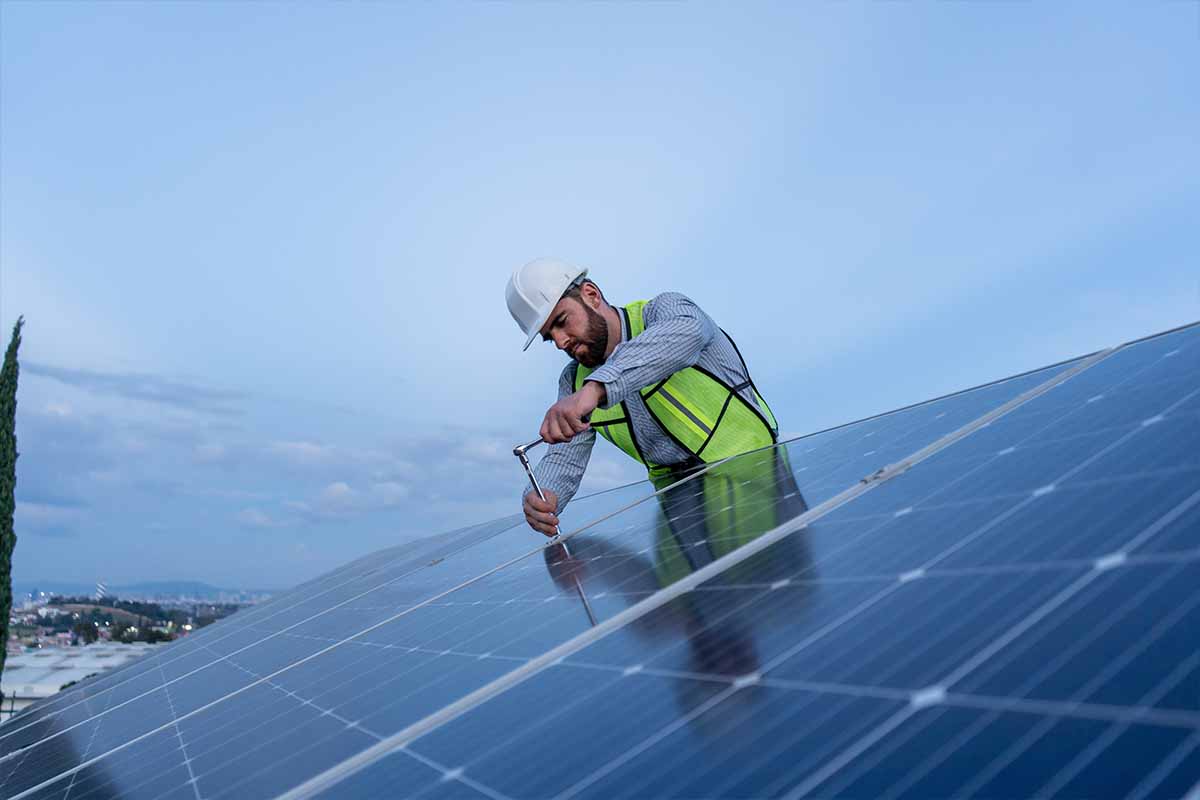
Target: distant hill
(176, 588)
(172, 587)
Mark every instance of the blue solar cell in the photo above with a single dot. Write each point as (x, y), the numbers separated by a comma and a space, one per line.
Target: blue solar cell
(1075, 521)
(271, 769)
(398, 775)
(1179, 532)
(388, 697)
(958, 752)
(1125, 638)
(605, 734)
(827, 463)
(895, 541)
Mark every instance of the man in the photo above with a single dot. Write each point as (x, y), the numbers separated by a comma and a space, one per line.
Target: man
(657, 378)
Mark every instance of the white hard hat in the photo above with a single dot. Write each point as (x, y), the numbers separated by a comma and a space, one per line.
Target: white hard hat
(534, 290)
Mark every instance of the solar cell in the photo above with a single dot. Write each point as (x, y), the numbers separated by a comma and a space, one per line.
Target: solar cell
(799, 663)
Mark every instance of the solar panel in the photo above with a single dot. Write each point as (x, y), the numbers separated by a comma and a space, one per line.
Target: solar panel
(1014, 616)
(772, 626)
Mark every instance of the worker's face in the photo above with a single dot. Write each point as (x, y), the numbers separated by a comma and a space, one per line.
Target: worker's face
(578, 329)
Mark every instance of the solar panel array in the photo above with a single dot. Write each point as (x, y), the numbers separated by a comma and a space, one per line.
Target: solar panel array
(990, 594)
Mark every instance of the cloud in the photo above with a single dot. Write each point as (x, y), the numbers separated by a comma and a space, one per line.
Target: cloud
(489, 450)
(227, 494)
(378, 465)
(144, 387)
(209, 453)
(390, 493)
(52, 497)
(341, 499)
(54, 532)
(302, 453)
(337, 495)
(257, 518)
(51, 519)
(337, 500)
(606, 473)
(45, 512)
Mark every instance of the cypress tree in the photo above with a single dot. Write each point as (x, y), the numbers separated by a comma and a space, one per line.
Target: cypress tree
(8, 479)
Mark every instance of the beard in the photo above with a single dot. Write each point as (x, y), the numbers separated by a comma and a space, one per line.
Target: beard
(595, 341)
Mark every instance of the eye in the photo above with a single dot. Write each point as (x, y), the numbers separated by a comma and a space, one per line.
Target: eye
(558, 323)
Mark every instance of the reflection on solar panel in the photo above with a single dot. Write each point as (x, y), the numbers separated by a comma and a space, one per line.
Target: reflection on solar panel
(991, 594)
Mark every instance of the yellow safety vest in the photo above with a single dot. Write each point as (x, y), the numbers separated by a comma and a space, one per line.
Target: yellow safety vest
(701, 413)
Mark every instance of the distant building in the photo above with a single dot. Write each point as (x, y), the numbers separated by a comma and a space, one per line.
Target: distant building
(34, 675)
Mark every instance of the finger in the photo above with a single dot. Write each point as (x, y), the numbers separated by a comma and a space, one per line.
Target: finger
(559, 432)
(548, 429)
(541, 527)
(534, 513)
(538, 504)
(544, 516)
(552, 425)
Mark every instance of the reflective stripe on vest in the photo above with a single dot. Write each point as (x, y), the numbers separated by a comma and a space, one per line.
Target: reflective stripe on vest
(702, 414)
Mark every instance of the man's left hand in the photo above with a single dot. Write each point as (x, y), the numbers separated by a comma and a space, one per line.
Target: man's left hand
(567, 417)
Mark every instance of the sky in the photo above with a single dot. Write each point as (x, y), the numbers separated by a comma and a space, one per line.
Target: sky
(261, 249)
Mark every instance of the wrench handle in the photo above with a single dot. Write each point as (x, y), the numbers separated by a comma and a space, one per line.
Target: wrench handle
(520, 451)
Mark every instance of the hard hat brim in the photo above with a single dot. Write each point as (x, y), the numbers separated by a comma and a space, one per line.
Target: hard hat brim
(537, 329)
(533, 335)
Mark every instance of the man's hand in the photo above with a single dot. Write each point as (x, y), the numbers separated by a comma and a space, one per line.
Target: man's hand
(540, 514)
(566, 417)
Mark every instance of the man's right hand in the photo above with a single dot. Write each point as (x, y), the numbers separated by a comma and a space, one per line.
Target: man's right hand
(540, 514)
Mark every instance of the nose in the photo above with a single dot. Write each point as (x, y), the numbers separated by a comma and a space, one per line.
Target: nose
(560, 339)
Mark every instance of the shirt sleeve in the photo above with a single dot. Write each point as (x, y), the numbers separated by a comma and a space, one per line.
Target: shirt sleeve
(561, 469)
(676, 332)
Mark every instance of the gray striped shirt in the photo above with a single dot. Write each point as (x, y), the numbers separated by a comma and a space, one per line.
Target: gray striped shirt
(678, 334)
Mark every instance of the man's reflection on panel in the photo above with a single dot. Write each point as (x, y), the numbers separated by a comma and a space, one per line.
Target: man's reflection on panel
(698, 522)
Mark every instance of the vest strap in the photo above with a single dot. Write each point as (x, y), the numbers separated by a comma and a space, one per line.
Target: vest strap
(692, 407)
(619, 421)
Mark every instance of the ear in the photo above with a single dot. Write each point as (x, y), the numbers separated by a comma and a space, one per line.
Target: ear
(591, 295)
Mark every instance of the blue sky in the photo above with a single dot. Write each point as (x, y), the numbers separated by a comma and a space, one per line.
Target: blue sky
(261, 248)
